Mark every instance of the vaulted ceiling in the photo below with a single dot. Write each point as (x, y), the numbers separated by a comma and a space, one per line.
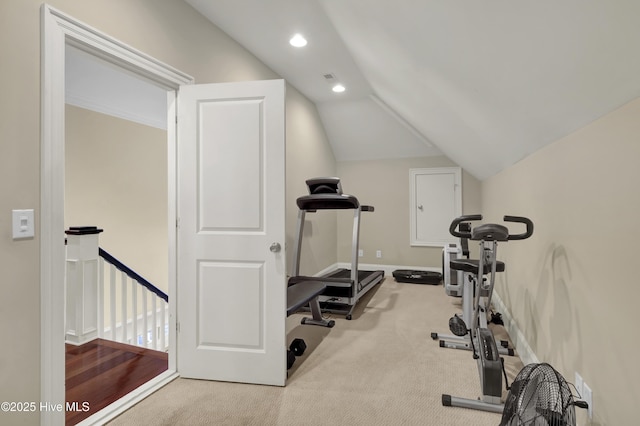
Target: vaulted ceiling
(484, 82)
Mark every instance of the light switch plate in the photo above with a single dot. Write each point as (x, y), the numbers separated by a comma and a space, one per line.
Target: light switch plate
(23, 224)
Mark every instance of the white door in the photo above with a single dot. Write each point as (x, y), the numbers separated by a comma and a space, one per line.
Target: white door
(436, 199)
(231, 287)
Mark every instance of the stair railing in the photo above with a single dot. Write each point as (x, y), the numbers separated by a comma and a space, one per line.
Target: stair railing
(143, 318)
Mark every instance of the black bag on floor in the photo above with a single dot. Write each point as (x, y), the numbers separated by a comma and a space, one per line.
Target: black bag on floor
(417, 277)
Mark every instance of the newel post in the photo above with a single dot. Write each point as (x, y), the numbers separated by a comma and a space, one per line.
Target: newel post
(81, 323)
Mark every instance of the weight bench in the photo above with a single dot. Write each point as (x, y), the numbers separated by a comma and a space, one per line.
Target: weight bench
(300, 295)
(306, 293)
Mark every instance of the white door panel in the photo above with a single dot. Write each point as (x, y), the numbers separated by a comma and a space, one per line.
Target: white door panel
(231, 287)
(235, 126)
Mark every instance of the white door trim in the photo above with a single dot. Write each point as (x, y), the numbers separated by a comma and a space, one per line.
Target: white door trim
(58, 30)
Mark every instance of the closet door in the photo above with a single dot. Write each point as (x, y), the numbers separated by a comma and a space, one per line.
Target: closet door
(436, 199)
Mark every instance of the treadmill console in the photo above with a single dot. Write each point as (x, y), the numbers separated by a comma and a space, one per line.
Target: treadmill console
(324, 185)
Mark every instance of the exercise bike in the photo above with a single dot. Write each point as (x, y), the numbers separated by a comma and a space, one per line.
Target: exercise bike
(483, 344)
(460, 279)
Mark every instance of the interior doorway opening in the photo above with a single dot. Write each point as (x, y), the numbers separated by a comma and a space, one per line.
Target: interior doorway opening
(116, 179)
(59, 32)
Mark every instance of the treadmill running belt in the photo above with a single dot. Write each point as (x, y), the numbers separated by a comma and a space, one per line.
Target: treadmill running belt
(346, 274)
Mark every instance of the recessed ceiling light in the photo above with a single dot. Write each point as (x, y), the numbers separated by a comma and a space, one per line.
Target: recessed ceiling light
(298, 41)
(338, 88)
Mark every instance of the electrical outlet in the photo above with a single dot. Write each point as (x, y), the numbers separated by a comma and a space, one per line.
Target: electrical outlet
(378, 254)
(588, 398)
(579, 385)
(360, 252)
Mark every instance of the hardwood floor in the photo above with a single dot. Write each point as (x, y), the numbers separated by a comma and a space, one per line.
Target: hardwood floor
(100, 372)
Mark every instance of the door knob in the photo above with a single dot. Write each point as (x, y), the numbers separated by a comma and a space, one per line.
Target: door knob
(420, 207)
(275, 247)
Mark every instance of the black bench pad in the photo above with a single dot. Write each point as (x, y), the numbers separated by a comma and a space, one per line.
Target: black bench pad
(299, 295)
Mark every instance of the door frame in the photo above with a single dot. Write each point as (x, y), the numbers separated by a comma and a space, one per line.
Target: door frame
(58, 30)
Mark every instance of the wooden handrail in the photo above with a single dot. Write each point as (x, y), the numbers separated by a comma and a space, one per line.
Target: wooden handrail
(132, 274)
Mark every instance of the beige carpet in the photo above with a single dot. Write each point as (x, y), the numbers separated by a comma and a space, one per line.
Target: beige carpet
(381, 368)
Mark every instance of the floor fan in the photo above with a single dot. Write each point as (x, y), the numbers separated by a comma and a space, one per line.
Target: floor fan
(540, 396)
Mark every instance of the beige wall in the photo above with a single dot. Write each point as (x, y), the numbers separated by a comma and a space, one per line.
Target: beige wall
(572, 287)
(168, 30)
(384, 184)
(116, 179)
(311, 156)
(19, 189)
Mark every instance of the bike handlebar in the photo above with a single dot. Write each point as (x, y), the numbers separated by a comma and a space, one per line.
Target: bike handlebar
(457, 221)
(520, 219)
(473, 217)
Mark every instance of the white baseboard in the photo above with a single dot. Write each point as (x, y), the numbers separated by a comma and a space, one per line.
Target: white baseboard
(330, 269)
(517, 337)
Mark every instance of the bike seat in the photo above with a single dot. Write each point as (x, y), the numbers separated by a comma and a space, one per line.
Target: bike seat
(473, 265)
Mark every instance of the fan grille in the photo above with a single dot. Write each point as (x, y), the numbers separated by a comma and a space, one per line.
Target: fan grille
(539, 396)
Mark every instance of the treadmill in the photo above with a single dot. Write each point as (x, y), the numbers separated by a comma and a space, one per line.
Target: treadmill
(344, 286)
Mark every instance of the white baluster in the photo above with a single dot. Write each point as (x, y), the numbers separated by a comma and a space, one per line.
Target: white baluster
(163, 343)
(134, 306)
(124, 315)
(154, 341)
(101, 297)
(145, 319)
(112, 301)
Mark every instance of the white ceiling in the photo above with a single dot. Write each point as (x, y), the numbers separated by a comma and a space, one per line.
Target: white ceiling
(484, 82)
